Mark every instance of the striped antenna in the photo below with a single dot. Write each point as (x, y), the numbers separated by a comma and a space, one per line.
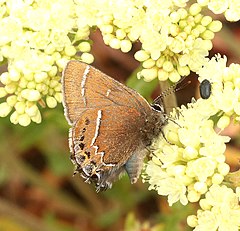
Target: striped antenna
(171, 90)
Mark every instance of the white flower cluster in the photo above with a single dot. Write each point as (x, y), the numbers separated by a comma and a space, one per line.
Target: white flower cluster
(220, 210)
(190, 164)
(225, 84)
(185, 165)
(184, 40)
(230, 8)
(174, 40)
(37, 39)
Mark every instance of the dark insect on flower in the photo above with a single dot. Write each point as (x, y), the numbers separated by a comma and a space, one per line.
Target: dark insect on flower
(205, 89)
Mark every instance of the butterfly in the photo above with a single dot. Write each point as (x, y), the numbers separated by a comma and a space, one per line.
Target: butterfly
(112, 125)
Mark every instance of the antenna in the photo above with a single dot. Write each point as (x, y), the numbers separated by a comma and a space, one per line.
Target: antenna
(171, 90)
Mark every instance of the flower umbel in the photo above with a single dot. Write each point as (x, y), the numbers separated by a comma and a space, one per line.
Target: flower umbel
(231, 9)
(190, 166)
(192, 159)
(174, 40)
(37, 38)
(220, 210)
(225, 83)
(184, 39)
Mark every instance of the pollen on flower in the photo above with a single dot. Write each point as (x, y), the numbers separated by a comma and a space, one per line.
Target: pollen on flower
(190, 153)
(162, 75)
(203, 2)
(204, 204)
(12, 100)
(174, 76)
(70, 50)
(3, 92)
(215, 26)
(115, 43)
(232, 14)
(31, 109)
(149, 63)
(20, 107)
(218, 7)
(223, 122)
(14, 75)
(14, 118)
(31, 95)
(217, 178)
(201, 187)
(167, 66)
(223, 169)
(195, 9)
(149, 74)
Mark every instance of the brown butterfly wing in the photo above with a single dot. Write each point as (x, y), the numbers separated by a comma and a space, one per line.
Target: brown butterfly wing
(108, 122)
(110, 130)
(85, 87)
(102, 142)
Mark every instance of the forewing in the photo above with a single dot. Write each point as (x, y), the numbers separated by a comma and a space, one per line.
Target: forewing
(85, 87)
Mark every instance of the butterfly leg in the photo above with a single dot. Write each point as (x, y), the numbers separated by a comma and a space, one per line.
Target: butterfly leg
(107, 178)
